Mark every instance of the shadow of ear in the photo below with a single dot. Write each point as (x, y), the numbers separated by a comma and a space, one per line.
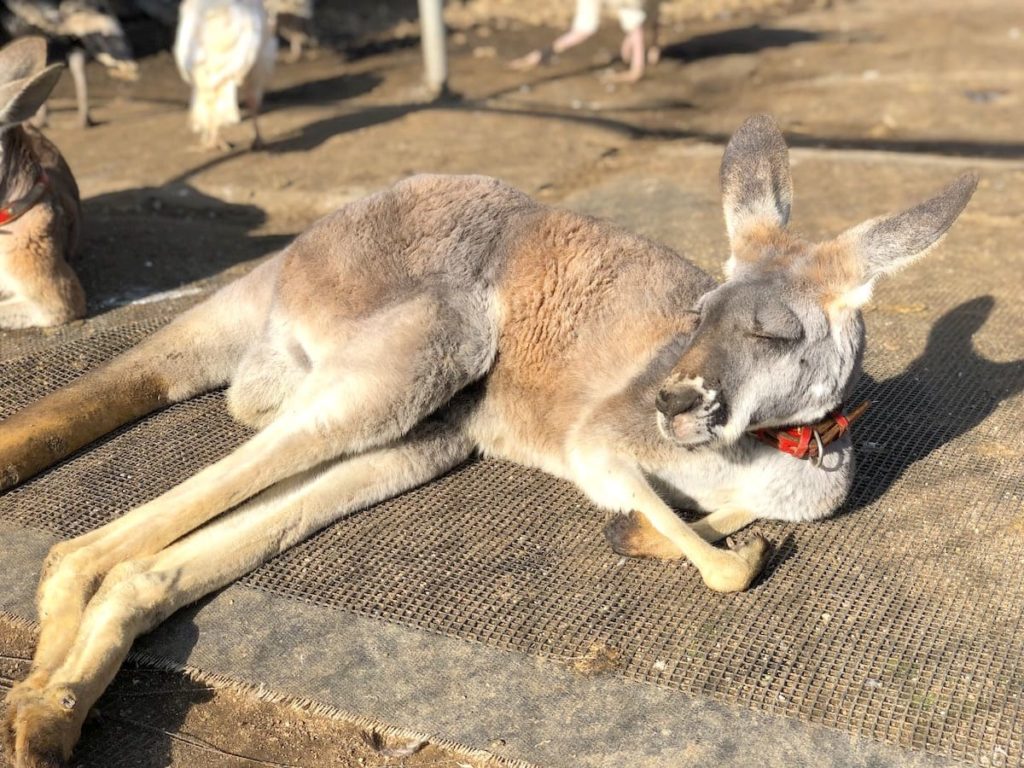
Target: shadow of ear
(946, 392)
(780, 553)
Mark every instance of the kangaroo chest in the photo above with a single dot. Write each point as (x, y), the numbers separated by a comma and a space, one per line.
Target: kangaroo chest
(760, 479)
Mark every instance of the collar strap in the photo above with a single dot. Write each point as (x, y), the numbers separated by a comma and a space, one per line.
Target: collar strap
(14, 210)
(809, 441)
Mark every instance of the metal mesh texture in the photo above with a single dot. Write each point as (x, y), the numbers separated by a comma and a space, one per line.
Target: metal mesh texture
(900, 619)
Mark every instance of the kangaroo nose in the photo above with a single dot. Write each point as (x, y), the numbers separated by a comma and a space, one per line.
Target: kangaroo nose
(676, 401)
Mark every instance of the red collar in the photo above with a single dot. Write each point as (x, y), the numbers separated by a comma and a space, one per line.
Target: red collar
(808, 441)
(14, 210)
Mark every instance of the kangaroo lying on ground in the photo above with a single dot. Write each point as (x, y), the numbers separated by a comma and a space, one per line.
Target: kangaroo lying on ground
(40, 213)
(452, 314)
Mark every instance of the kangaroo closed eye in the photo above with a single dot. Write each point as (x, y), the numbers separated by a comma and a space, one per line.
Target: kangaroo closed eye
(771, 337)
(777, 323)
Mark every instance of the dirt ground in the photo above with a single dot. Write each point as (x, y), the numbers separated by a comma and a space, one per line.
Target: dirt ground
(854, 75)
(917, 77)
(151, 719)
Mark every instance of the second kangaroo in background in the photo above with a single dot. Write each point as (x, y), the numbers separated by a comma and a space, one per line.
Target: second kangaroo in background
(40, 212)
(453, 314)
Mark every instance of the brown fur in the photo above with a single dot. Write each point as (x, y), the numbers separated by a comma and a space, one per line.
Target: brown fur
(764, 244)
(37, 285)
(31, 442)
(633, 535)
(835, 270)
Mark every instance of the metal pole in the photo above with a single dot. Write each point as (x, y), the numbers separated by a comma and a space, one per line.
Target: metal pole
(435, 58)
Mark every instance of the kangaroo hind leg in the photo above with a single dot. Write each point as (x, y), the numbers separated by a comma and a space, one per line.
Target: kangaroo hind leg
(367, 391)
(195, 353)
(139, 593)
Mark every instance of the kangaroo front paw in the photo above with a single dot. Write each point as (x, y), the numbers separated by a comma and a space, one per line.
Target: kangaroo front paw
(633, 536)
(735, 568)
(44, 727)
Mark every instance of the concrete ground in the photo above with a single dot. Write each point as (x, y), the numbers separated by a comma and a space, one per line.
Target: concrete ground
(882, 102)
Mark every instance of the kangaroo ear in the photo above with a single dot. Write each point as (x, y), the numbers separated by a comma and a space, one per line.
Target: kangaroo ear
(20, 99)
(21, 58)
(757, 190)
(887, 244)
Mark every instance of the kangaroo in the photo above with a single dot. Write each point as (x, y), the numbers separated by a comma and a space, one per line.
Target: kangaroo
(453, 314)
(40, 214)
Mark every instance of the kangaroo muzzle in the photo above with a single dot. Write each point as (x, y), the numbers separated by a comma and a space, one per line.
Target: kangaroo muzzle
(689, 409)
(672, 402)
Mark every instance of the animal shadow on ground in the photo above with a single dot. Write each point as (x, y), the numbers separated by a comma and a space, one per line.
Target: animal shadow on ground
(947, 391)
(325, 90)
(148, 240)
(315, 133)
(780, 553)
(749, 39)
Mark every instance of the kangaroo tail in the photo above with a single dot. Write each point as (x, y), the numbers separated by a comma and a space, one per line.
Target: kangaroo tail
(195, 353)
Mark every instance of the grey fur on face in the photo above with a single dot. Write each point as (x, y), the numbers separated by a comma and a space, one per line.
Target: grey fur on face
(764, 354)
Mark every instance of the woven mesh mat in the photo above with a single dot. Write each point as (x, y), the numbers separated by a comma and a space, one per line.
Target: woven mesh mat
(900, 619)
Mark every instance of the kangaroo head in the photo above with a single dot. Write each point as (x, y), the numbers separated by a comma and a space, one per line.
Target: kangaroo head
(780, 342)
(25, 80)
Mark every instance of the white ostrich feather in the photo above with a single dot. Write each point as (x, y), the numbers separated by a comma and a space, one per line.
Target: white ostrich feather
(225, 49)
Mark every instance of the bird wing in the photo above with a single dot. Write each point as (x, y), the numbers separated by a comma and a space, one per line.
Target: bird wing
(35, 15)
(588, 16)
(243, 33)
(186, 38)
(95, 25)
(219, 40)
(301, 8)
